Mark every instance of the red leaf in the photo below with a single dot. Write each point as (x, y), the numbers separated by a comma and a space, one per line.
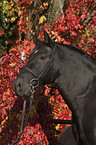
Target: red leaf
(5, 53)
(13, 49)
(2, 116)
(73, 33)
(2, 106)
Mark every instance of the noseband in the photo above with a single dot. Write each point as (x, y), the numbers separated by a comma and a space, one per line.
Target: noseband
(33, 81)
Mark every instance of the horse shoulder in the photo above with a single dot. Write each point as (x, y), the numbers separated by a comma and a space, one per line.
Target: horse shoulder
(67, 137)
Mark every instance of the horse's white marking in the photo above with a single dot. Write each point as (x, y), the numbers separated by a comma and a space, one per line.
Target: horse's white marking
(22, 55)
(36, 51)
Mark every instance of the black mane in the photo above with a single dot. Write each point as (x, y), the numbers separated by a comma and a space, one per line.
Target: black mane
(76, 49)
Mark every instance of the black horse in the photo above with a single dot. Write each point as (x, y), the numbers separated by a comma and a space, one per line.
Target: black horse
(74, 73)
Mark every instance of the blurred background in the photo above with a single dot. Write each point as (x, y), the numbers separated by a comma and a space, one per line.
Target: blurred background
(70, 22)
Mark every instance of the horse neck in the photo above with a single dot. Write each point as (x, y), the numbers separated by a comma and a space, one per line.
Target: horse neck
(75, 83)
(72, 79)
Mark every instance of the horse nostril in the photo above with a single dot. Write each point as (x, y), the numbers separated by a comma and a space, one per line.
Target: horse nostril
(18, 87)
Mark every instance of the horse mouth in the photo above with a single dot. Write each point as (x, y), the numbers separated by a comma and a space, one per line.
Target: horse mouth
(21, 89)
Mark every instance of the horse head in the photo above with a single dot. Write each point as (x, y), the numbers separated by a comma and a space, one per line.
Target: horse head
(38, 70)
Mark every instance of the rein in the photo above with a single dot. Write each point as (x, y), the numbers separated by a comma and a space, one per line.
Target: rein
(22, 121)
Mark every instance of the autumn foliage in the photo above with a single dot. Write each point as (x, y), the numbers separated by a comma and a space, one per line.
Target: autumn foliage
(76, 26)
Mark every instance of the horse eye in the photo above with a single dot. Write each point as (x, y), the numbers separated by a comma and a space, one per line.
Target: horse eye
(42, 57)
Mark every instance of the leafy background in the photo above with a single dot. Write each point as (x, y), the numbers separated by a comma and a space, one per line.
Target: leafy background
(70, 22)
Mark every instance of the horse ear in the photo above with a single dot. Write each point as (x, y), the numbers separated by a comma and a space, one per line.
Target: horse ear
(36, 41)
(48, 40)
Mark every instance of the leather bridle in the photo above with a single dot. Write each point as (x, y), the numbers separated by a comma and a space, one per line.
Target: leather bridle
(33, 87)
(37, 78)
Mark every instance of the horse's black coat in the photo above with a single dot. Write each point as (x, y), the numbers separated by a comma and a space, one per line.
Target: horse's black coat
(67, 138)
(74, 73)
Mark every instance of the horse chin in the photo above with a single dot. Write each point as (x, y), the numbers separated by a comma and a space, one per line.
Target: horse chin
(27, 92)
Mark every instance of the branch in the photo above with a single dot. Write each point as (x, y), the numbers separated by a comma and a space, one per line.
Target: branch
(61, 6)
(21, 17)
(91, 14)
(88, 19)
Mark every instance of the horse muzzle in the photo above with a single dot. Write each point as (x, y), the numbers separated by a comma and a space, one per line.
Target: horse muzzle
(21, 87)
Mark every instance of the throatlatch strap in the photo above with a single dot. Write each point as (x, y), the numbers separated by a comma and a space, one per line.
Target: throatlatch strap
(22, 121)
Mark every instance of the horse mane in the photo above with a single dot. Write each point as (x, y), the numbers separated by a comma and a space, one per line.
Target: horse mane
(76, 49)
(71, 47)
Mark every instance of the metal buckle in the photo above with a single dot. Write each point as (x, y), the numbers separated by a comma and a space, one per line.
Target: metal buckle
(34, 83)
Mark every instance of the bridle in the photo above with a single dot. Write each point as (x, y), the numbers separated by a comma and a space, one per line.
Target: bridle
(37, 78)
(33, 87)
